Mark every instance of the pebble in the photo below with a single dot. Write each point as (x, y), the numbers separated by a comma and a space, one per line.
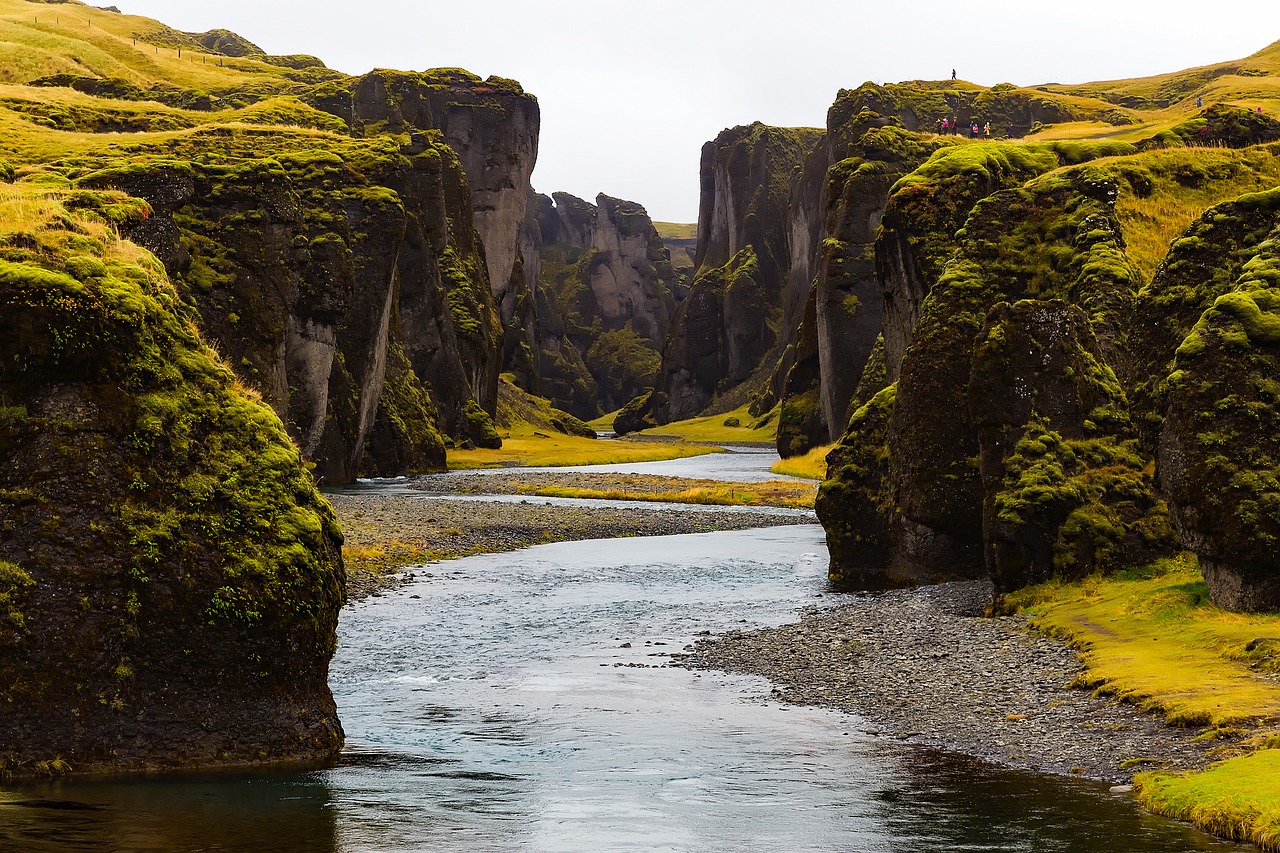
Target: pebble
(925, 667)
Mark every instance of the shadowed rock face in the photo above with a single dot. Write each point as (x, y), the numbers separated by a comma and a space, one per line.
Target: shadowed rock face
(493, 126)
(309, 289)
(605, 304)
(1217, 443)
(1008, 450)
(729, 328)
(871, 264)
(169, 577)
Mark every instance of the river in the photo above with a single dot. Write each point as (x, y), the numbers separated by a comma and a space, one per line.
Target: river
(523, 702)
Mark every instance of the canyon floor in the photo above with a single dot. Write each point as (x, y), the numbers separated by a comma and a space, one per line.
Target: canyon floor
(921, 666)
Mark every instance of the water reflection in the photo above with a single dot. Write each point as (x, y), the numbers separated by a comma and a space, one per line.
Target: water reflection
(938, 802)
(268, 813)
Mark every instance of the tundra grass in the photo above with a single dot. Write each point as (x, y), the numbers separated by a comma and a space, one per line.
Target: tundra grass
(1153, 638)
(781, 493)
(604, 423)
(718, 429)
(555, 451)
(1238, 798)
(811, 466)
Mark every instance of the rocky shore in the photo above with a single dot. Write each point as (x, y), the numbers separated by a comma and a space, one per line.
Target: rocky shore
(385, 532)
(924, 667)
(515, 481)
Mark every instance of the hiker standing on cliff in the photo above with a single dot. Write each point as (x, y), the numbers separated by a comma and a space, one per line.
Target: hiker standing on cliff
(953, 74)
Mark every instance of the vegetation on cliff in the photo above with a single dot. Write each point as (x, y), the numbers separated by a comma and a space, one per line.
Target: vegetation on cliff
(159, 527)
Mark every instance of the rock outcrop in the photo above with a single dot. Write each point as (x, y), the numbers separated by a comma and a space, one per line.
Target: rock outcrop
(730, 327)
(1214, 305)
(313, 279)
(493, 125)
(169, 577)
(1009, 445)
(605, 302)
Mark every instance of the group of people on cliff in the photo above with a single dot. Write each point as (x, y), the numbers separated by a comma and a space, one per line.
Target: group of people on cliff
(951, 127)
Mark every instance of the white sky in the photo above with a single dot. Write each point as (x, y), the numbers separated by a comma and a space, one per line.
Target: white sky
(630, 92)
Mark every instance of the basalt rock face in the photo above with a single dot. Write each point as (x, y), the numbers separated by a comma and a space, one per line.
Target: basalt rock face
(169, 577)
(1065, 490)
(1010, 451)
(1217, 444)
(325, 274)
(607, 294)
(872, 261)
(493, 125)
(731, 323)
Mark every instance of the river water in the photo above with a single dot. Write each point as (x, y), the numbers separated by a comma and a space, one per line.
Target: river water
(522, 702)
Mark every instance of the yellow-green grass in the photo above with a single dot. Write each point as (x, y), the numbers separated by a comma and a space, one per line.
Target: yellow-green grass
(604, 422)
(811, 466)
(38, 40)
(782, 493)
(713, 428)
(1238, 798)
(677, 230)
(1184, 183)
(554, 451)
(1153, 638)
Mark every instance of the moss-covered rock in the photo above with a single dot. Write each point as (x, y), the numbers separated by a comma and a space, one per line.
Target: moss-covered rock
(169, 576)
(1065, 490)
(1221, 125)
(305, 266)
(1219, 444)
(1055, 238)
(855, 505)
(736, 303)
(1203, 264)
(606, 291)
(636, 415)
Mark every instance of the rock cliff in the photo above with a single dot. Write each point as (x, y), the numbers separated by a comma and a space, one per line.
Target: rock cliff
(1051, 414)
(169, 577)
(493, 125)
(605, 302)
(730, 326)
(316, 270)
(1211, 310)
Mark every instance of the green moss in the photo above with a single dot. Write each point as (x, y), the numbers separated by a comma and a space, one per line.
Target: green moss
(14, 582)
(480, 426)
(854, 503)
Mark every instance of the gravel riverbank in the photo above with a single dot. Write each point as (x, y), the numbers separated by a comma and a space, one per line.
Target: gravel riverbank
(515, 481)
(922, 666)
(385, 532)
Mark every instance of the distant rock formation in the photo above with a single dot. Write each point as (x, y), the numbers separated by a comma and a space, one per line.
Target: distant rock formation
(729, 328)
(605, 303)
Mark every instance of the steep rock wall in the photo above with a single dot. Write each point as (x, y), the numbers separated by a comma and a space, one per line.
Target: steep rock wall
(1212, 405)
(607, 293)
(169, 577)
(299, 265)
(493, 125)
(736, 303)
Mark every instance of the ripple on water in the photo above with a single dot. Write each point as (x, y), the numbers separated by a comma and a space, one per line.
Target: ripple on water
(500, 711)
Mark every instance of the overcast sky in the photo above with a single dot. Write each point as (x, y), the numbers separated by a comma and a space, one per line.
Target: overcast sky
(630, 91)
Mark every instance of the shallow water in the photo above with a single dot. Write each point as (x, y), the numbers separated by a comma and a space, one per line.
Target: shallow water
(495, 709)
(737, 464)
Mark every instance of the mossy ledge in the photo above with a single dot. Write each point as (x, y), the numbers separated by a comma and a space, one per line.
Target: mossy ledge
(170, 579)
